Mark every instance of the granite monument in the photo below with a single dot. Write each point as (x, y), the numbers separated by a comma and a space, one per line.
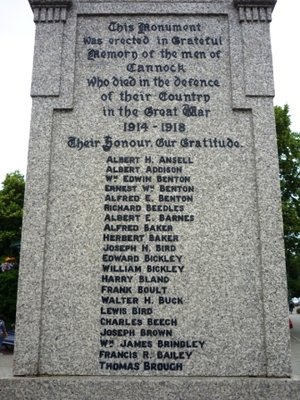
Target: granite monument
(152, 248)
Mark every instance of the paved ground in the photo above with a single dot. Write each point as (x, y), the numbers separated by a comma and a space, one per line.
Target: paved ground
(6, 358)
(295, 343)
(6, 363)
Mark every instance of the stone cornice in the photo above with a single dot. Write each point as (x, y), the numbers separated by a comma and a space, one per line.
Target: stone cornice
(255, 3)
(50, 3)
(255, 10)
(50, 10)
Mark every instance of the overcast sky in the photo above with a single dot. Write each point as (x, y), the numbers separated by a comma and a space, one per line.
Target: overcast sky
(16, 49)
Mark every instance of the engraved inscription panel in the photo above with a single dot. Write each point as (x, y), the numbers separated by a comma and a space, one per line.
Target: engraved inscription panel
(161, 175)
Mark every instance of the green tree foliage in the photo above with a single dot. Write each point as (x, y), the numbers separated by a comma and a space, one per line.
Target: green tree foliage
(8, 294)
(11, 210)
(289, 169)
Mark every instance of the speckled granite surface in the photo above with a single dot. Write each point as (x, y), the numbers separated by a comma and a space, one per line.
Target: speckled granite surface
(152, 239)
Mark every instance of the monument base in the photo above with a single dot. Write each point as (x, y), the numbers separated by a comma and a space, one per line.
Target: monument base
(80, 388)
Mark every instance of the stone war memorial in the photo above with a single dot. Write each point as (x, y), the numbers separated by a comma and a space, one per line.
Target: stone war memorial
(152, 262)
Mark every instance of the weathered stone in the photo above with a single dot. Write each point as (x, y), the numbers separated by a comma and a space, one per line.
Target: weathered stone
(152, 241)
